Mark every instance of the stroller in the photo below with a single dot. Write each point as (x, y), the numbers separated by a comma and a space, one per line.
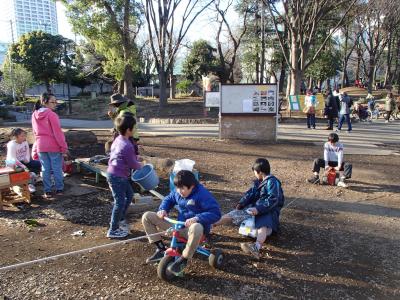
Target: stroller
(360, 112)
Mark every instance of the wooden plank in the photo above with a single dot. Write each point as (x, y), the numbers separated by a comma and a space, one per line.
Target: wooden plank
(157, 194)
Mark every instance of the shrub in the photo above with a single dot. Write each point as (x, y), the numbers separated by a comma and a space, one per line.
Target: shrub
(3, 112)
(183, 86)
(27, 100)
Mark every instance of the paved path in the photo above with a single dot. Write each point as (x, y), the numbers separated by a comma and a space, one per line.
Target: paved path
(376, 138)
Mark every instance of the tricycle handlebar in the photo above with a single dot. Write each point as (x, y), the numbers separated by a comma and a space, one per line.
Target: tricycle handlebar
(172, 221)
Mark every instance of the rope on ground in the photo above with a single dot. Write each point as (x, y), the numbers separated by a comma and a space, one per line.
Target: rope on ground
(54, 257)
(290, 203)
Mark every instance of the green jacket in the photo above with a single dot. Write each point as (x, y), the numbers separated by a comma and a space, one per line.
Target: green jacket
(125, 108)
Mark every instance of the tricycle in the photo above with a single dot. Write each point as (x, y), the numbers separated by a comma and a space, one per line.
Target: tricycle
(178, 243)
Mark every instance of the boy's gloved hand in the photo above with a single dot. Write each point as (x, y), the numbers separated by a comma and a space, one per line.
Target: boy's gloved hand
(191, 221)
(239, 206)
(161, 214)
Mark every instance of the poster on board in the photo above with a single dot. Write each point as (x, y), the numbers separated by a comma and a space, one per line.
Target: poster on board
(294, 103)
(249, 98)
(212, 99)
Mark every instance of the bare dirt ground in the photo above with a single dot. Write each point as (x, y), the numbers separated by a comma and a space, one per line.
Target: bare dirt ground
(333, 243)
(189, 107)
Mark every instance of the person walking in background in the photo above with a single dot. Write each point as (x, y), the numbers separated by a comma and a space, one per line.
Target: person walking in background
(345, 104)
(390, 105)
(310, 103)
(331, 108)
(49, 143)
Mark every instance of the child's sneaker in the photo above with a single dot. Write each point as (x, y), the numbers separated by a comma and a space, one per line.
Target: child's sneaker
(250, 248)
(116, 234)
(48, 196)
(178, 266)
(314, 179)
(156, 257)
(31, 188)
(59, 192)
(124, 225)
(342, 184)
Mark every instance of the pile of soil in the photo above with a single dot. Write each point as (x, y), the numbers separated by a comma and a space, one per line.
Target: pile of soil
(333, 243)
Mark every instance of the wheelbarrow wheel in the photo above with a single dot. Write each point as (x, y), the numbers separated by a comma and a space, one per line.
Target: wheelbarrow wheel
(216, 259)
(162, 270)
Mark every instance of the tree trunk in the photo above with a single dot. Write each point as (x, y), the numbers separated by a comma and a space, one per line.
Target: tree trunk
(295, 72)
(47, 84)
(172, 90)
(162, 77)
(282, 76)
(388, 73)
(310, 83)
(262, 63)
(345, 56)
(359, 54)
(128, 85)
(121, 87)
(371, 73)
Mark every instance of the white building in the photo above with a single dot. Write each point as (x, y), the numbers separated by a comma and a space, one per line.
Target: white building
(30, 15)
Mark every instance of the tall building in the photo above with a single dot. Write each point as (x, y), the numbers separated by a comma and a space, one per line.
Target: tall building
(31, 15)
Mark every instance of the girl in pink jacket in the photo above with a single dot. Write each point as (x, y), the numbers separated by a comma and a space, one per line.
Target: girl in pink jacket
(49, 143)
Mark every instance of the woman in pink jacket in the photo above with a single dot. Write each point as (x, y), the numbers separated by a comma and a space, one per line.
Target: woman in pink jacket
(49, 143)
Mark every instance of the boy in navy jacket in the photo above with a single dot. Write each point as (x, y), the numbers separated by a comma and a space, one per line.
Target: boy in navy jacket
(197, 208)
(263, 200)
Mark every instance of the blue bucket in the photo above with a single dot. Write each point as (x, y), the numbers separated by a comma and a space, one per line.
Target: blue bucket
(146, 177)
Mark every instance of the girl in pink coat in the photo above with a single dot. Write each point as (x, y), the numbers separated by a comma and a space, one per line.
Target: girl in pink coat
(49, 143)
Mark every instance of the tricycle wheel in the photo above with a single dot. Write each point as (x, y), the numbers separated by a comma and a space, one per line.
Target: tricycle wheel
(216, 259)
(162, 271)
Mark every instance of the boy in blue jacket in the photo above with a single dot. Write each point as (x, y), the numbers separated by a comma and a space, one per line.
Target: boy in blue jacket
(197, 208)
(263, 200)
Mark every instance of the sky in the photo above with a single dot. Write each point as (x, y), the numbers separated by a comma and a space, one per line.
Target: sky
(202, 28)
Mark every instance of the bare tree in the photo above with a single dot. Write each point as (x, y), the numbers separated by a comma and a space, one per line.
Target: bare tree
(377, 20)
(166, 33)
(349, 44)
(227, 56)
(302, 19)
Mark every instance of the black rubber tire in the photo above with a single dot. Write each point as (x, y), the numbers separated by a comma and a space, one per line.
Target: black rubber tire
(216, 259)
(162, 271)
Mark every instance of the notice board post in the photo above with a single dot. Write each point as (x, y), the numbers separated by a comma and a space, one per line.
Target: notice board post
(248, 111)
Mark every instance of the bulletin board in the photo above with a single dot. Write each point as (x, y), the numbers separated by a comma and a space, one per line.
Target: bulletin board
(260, 99)
(212, 99)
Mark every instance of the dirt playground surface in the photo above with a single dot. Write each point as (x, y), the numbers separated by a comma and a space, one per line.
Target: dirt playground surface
(333, 243)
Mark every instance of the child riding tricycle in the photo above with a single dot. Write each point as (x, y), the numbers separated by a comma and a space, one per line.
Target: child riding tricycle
(197, 211)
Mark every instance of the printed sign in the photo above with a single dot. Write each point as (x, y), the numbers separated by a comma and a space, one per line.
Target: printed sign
(212, 99)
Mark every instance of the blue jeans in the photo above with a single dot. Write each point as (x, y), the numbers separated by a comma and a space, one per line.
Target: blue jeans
(311, 120)
(122, 192)
(341, 121)
(52, 162)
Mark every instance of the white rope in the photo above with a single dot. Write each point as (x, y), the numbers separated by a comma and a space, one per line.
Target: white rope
(44, 259)
(289, 203)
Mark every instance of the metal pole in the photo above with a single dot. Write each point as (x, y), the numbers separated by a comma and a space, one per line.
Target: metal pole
(11, 64)
(68, 78)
